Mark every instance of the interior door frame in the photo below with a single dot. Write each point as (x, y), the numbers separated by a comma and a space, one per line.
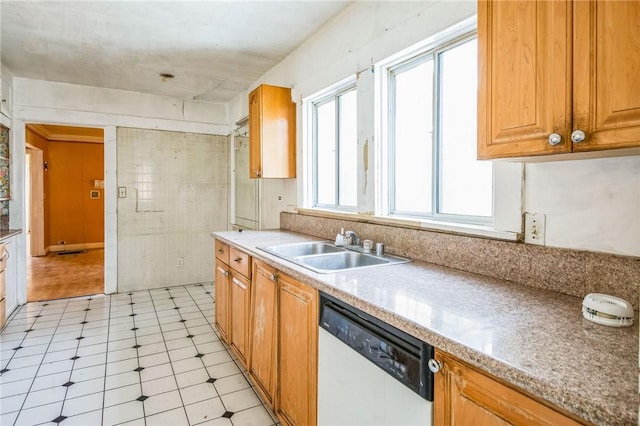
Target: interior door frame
(36, 202)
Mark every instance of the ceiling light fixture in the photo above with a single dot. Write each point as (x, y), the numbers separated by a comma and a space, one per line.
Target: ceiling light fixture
(166, 76)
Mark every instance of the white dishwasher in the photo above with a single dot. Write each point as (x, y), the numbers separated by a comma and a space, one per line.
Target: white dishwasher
(370, 373)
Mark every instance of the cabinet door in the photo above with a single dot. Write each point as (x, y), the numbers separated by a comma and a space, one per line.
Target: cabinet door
(607, 74)
(297, 352)
(11, 276)
(272, 133)
(255, 133)
(222, 281)
(524, 81)
(465, 396)
(3, 312)
(240, 307)
(264, 289)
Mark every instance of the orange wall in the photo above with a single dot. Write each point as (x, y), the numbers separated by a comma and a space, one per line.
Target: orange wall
(72, 215)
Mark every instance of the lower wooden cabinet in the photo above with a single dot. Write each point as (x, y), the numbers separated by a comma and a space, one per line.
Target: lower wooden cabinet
(264, 293)
(233, 298)
(466, 396)
(284, 344)
(240, 308)
(297, 352)
(222, 301)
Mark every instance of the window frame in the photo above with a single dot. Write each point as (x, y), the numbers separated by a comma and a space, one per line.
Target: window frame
(430, 51)
(314, 103)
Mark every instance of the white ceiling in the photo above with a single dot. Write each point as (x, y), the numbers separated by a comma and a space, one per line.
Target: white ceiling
(216, 49)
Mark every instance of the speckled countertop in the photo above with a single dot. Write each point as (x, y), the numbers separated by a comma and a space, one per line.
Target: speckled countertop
(7, 233)
(535, 339)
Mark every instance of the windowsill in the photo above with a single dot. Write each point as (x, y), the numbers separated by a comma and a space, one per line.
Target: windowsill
(429, 225)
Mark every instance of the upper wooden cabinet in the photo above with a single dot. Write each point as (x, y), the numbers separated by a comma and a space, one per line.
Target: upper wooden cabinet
(466, 396)
(557, 67)
(272, 133)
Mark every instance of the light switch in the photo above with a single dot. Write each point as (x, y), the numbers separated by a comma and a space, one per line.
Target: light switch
(122, 192)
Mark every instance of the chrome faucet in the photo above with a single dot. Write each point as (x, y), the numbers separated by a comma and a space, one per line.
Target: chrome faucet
(353, 238)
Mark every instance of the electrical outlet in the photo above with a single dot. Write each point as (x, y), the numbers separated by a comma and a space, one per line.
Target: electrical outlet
(534, 228)
(180, 262)
(122, 192)
(280, 197)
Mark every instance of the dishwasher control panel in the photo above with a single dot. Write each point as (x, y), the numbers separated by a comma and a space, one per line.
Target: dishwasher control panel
(398, 354)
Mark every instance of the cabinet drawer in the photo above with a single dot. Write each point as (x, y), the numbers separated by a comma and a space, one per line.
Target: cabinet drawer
(222, 252)
(240, 261)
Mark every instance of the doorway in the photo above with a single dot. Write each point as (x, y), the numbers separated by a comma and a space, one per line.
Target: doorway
(65, 211)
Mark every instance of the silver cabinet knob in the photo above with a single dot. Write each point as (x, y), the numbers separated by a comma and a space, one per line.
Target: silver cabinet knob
(434, 365)
(554, 139)
(274, 277)
(578, 136)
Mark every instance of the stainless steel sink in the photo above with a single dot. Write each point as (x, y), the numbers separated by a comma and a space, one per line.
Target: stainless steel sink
(344, 260)
(289, 251)
(323, 257)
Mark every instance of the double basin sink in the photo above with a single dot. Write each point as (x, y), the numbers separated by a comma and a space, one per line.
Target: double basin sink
(324, 257)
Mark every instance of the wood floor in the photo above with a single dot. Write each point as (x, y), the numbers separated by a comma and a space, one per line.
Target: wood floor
(56, 276)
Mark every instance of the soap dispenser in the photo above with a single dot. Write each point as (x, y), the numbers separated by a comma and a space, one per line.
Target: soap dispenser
(340, 238)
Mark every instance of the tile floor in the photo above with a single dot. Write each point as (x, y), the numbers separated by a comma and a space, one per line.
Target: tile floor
(142, 358)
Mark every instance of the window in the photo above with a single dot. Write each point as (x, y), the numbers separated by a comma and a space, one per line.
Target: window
(432, 167)
(335, 150)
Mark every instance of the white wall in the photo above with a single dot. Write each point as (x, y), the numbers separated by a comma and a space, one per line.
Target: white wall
(176, 186)
(590, 204)
(61, 103)
(363, 34)
(37, 98)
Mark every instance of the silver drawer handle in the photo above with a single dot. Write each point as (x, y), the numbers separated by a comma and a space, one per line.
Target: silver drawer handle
(239, 284)
(224, 272)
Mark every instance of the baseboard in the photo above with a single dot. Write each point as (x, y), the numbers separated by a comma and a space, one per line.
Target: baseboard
(81, 246)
